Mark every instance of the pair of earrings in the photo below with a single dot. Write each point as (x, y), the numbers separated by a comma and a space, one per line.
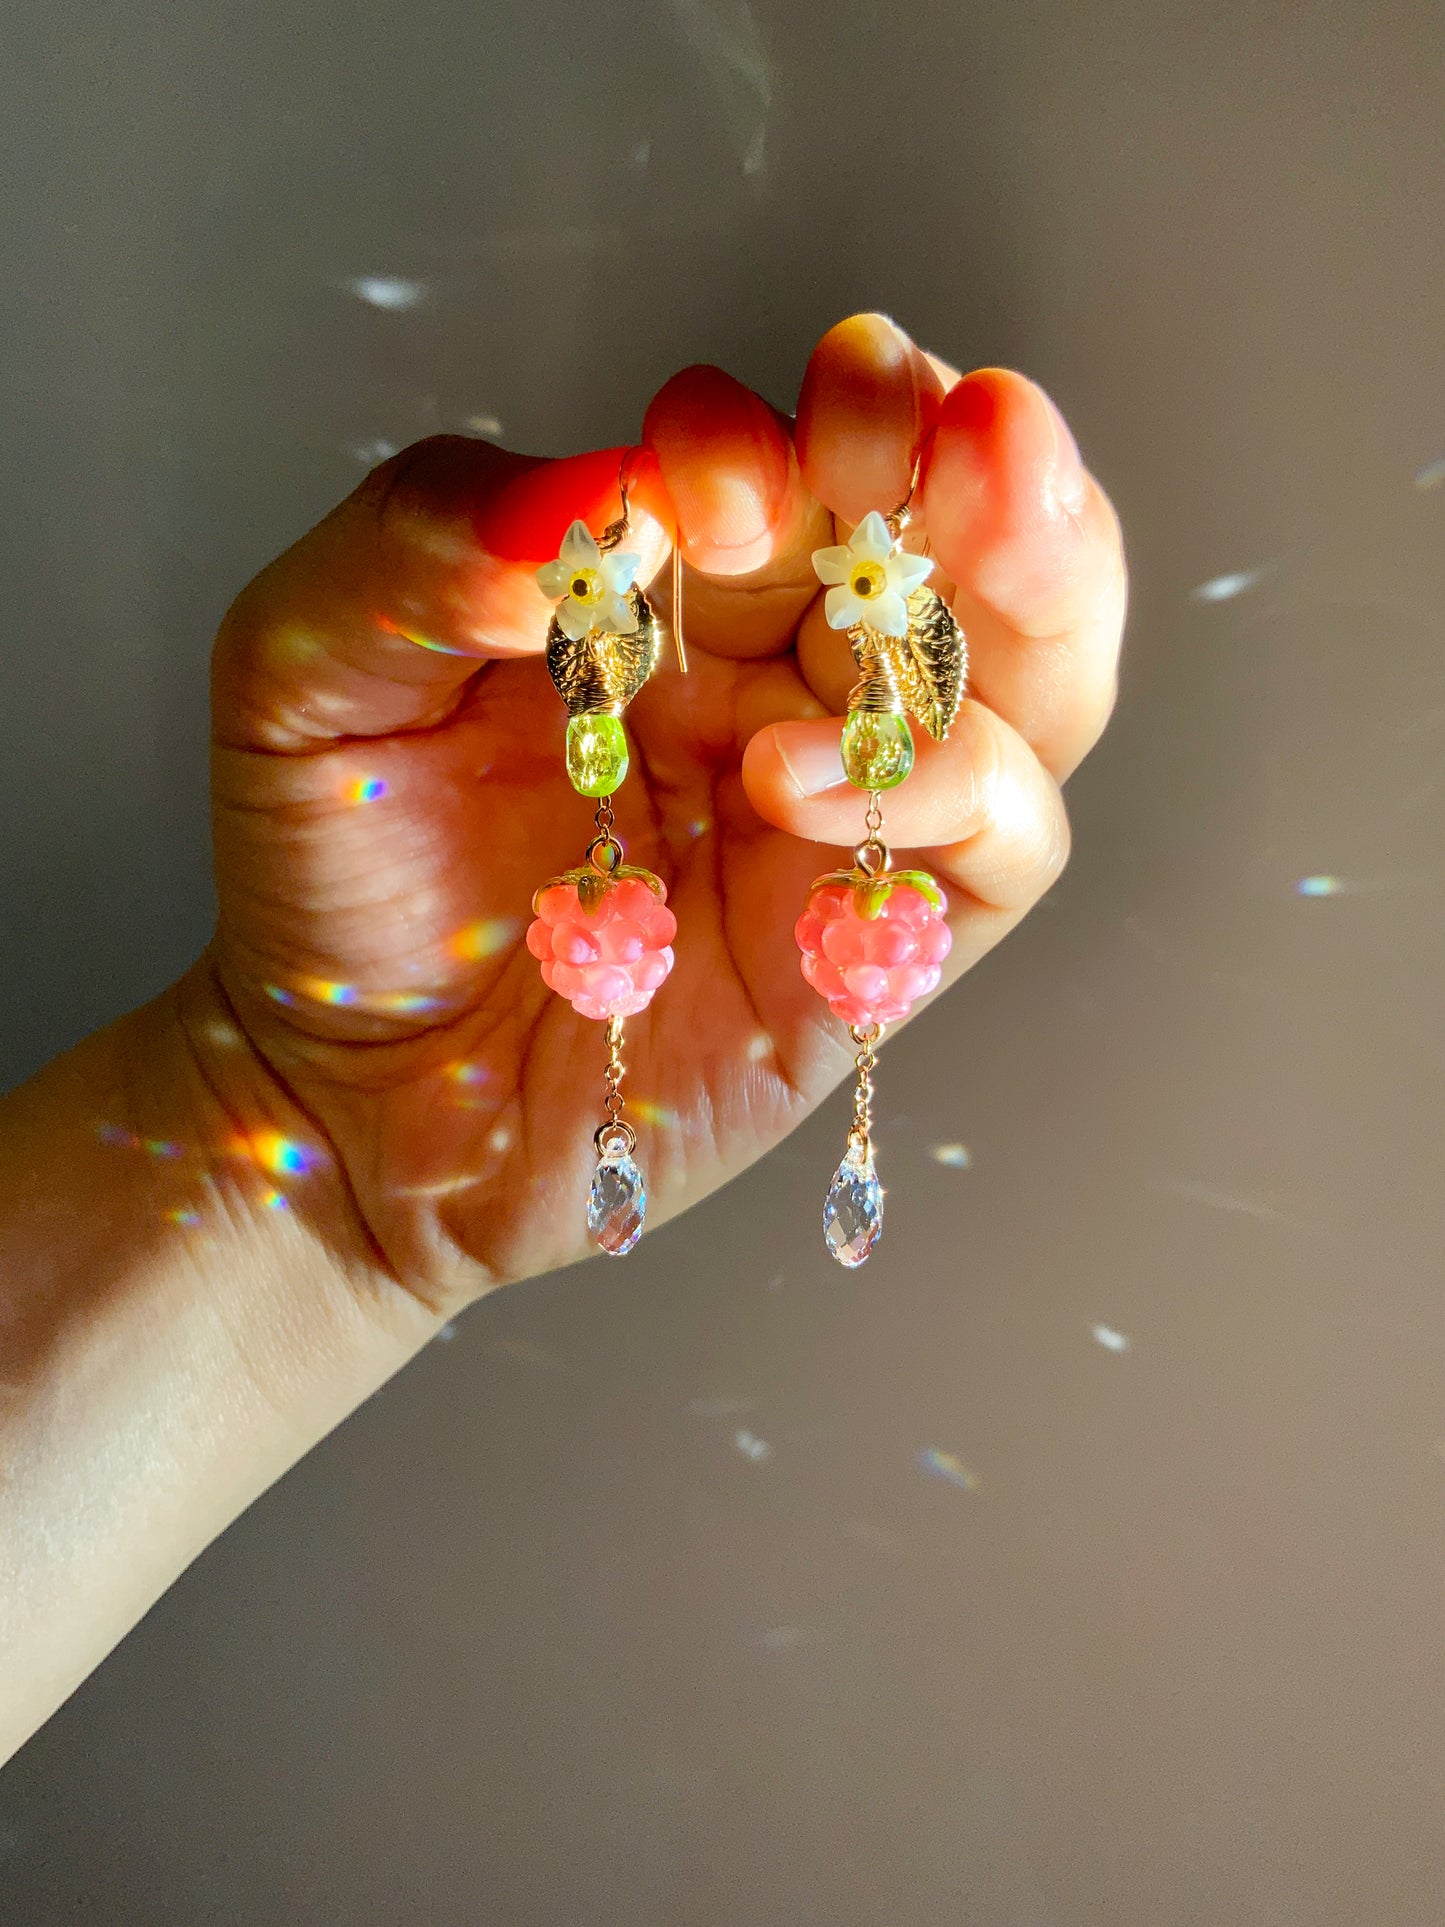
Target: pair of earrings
(873, 939)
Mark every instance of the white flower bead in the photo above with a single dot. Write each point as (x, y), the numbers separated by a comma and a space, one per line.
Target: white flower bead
(868, 581)
(592, 586)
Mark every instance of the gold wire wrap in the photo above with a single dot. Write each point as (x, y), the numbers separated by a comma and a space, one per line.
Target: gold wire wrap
(923, 672)
(598, 674)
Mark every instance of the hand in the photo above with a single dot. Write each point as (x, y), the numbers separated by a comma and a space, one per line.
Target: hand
(368, 1039)
(389, 784)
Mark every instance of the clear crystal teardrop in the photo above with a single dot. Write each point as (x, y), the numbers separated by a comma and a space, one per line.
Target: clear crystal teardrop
(617, 1204)
(853, 1209)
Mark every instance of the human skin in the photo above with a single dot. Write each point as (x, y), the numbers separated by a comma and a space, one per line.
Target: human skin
(227, 1219)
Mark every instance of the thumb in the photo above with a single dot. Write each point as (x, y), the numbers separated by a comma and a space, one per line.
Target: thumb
(374, 621)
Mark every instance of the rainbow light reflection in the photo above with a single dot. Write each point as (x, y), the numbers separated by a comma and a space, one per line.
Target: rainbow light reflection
(393, 628)
(366, 789)
(339, 996)
(281, 1156)
(943, 1465)
(484, 938)
(957, 1157)
(154, 1147)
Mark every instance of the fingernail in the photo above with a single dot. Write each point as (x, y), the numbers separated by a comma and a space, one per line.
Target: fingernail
(873, 368)
(811, 756)
(974, 404)
(526, 519)
(980, 406)
(724, 456)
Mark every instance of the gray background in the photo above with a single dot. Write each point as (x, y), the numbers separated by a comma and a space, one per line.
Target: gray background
(641, 1600)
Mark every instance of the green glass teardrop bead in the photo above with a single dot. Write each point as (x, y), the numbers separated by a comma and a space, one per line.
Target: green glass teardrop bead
(877, 750)
(596, 754)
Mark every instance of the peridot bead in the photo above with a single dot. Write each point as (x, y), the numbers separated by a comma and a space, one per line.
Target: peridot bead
(877, 750)
(596, 754)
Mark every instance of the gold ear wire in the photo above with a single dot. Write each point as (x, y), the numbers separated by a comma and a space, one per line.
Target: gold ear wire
(613, 534)
(678, 643)
(897, 520)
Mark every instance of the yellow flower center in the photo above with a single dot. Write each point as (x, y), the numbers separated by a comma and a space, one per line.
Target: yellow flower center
(586, 586)
(868, 579)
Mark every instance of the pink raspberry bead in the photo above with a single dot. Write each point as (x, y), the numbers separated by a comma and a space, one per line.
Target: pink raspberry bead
(872, 970)
(606, 962)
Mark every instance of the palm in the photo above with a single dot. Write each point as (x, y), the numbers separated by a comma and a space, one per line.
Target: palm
(398, 999)
(385, 812)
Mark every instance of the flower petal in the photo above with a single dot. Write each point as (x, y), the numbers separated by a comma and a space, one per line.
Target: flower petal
(618, 615)
(553, 577)
(889, 614)
(573, 620)
(871, 541)
(831, 565)
(578, 549)
(905, 572)
(842, 607)
(619, 572)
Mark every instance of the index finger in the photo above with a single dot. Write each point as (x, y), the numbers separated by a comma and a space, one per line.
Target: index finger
(374, 621)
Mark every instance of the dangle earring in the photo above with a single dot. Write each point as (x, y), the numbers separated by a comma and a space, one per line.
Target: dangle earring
(603, 933)
(873, 938)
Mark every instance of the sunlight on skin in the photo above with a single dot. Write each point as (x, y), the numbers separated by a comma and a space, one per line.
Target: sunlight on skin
(442, 1187)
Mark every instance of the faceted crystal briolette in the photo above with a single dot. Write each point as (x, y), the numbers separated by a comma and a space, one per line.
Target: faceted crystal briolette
(596, 754)
(877, 750)
(617, 1205)
(853, 1210)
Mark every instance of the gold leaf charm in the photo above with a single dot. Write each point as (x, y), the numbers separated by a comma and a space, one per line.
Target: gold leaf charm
(922, 673)
(601, 673)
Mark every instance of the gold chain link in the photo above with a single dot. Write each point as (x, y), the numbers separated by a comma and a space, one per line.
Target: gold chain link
(615, 1069)
(871, 855)
(616, 1134)
(860, 1135)
(605, 851)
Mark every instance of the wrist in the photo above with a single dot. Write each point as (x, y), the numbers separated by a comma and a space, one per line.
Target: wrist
(189, 1302)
